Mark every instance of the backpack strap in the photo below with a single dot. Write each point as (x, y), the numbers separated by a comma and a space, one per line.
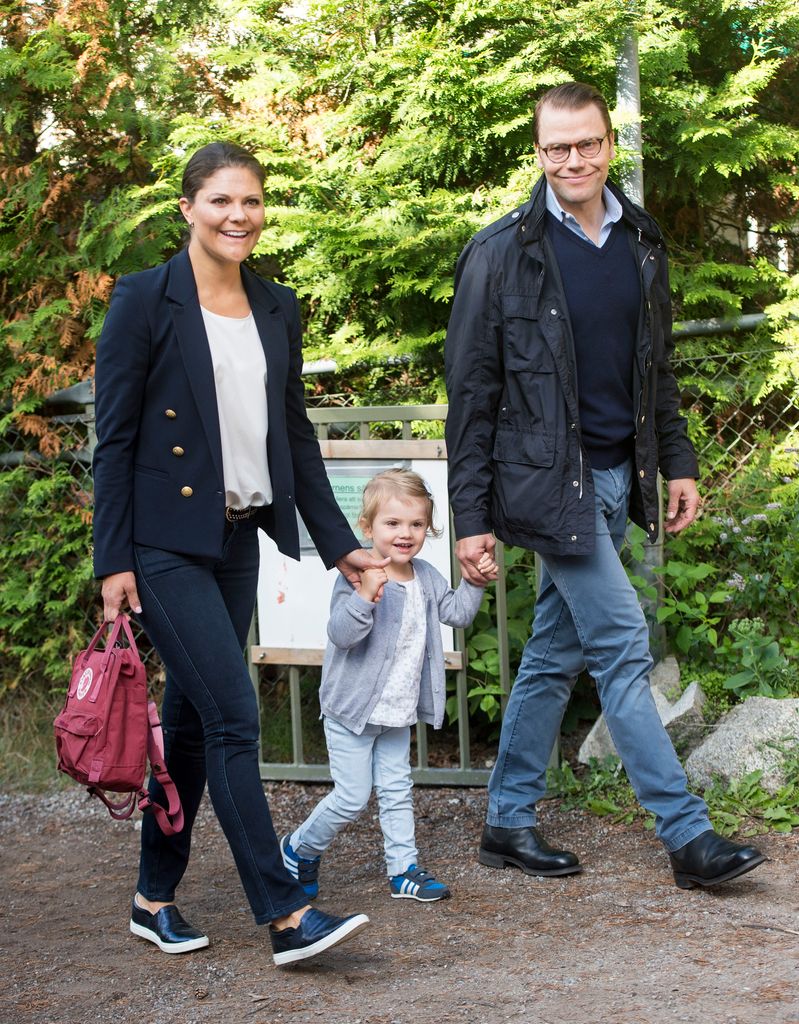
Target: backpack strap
(116, 627)
(169, 818)
(128, 633)
(120, 811)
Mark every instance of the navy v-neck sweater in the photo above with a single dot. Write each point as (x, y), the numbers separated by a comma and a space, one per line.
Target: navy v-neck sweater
(603, 298)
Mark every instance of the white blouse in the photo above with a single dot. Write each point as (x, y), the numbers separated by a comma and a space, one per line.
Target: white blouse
(240, 378)
(398, 703)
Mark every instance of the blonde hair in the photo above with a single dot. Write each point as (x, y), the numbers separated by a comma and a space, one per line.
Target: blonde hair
(400, 483)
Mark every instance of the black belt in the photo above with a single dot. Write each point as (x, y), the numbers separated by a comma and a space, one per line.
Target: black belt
(233, 515)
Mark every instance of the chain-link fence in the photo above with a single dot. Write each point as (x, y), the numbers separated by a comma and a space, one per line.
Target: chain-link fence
(737, 413)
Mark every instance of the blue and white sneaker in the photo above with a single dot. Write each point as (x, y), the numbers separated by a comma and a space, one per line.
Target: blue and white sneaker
(304, 869)
(417, 884)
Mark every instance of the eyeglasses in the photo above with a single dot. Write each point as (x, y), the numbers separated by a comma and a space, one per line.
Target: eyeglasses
(560, 151)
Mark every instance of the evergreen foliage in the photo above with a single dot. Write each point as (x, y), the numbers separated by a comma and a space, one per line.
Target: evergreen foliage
(391, 130)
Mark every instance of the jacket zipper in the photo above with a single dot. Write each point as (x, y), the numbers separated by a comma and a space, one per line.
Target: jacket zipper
(649, 328)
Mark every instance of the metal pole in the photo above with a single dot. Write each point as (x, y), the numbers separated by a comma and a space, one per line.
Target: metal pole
(628, 104)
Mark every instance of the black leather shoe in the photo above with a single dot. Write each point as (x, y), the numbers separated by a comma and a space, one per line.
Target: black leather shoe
(316, 932)
(167, 929)
(710, 858)
(525, 848)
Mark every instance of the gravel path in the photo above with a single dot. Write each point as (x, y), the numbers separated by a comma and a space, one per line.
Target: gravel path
(619, 944)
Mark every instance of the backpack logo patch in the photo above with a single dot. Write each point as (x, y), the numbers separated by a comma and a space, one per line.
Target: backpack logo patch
(84, 684)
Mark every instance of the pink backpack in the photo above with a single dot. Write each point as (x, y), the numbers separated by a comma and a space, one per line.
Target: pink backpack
(108, 729)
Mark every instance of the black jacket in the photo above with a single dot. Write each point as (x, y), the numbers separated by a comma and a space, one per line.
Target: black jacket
(517, 465)
(158, 461)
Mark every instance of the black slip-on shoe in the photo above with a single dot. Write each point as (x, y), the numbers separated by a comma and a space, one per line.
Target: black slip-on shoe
(710, 859)
(167, 929)
(527, 849)
(316, 932)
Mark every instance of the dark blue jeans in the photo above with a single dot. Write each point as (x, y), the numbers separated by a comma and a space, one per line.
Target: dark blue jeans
(197, 613)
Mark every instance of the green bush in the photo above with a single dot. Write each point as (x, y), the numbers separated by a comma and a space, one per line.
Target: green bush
(728, 583)
(719, 699)
(48, 595)
(762, 668)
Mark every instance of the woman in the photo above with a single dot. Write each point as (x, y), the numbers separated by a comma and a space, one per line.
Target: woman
(202, 437)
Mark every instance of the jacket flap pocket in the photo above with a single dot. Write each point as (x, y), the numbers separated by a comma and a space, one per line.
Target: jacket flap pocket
(528, 449)
(525, 306)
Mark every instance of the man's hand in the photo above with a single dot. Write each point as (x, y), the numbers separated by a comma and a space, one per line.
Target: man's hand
(119, 589)
(353, 564)
(470, 550)
(683, 504)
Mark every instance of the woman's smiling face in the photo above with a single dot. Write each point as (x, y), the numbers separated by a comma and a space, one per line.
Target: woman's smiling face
(226, 214)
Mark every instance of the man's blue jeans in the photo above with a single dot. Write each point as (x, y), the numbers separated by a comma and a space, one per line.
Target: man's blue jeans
(587, 615)
(197, 614)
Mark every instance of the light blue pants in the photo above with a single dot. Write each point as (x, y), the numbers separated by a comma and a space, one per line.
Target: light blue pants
(587, 614)
(379, 757)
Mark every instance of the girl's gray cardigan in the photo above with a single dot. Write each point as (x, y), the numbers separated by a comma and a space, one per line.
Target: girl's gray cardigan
(363, 638)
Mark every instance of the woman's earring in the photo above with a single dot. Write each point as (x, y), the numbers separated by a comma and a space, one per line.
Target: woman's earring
(191, 223)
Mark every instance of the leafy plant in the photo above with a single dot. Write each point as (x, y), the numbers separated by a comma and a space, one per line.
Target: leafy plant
(485, 692)
(602, 788)
(48, 593)
(750, 537)
(718, 700)
(742, 805)
(682, 602)
(766, 672)
(744, 802)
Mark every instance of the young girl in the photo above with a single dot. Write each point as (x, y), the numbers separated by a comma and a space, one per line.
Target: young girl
(383, 671)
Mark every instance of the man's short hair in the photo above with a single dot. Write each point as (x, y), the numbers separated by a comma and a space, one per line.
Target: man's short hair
(572, 96)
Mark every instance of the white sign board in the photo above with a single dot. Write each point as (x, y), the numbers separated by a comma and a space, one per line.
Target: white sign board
(294, 597)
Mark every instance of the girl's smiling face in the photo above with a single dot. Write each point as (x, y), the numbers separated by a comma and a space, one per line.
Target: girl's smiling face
(398, 530)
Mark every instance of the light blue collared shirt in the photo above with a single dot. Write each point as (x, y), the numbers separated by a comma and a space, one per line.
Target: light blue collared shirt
(612, 214)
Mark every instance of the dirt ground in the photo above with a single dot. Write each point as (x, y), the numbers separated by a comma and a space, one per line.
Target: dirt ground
(619, 944)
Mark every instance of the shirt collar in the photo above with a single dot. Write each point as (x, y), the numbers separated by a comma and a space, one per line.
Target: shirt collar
(613, 210)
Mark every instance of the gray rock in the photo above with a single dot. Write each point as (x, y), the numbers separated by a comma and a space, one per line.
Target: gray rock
(745, 740)
(665, 677)
(598, 742)
(684, 720)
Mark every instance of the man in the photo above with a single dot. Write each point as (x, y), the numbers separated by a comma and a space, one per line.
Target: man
(562, 408)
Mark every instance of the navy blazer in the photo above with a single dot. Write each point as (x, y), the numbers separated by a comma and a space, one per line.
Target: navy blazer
(157, 466)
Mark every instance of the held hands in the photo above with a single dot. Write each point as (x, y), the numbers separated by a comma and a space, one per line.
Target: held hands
(683, 505)
(119, 589)
(487, 567)
(355, 562)
(476, 555)
(372, 583)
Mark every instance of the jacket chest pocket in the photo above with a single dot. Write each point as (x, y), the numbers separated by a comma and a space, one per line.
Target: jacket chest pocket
(525, 349)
